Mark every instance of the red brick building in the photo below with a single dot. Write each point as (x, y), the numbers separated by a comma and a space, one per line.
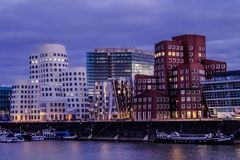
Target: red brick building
(151, 104)
(179, 67)
(144, 82)
(212, 66)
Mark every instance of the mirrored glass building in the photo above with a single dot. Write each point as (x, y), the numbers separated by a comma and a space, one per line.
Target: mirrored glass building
(222, 93)
(104, 63)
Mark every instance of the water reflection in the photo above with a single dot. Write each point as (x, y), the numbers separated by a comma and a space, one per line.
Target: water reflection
(71, 150)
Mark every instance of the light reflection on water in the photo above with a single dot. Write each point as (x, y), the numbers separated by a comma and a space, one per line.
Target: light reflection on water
(89, 150)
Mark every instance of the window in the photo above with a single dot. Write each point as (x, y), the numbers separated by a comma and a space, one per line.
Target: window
(139, 99)
(182, 99)
(144, 99)
(223, 66)
(182, 106)
(182, 92)
(190, 54)
(149, 106)
(189, 114)
(149, 99)
(199, 54)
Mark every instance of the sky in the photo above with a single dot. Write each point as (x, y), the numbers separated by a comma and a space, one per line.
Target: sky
(82, 25)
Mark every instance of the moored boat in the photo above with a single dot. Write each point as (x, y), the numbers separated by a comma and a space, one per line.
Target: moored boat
(210, 138)
(11, 138)
(49, 134)
(70, 137)
(35, 137)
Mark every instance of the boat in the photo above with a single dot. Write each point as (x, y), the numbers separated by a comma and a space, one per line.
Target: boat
(49, 134)
(65, 135)
(19, 136)
(175, 137)
(70, 137)
(11, 138)
(3, 132)
(35, 137)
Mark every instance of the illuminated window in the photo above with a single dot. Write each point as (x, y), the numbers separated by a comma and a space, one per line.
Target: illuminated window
(169, 53)
(199, 54)
(188, 114)
(194, 114)
(183, 114)
(199, 114)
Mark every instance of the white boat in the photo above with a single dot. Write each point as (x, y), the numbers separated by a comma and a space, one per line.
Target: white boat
(49, 134)
(19, 137)
(37, 137)
(11, 138)
(210, 138)
(70, 137)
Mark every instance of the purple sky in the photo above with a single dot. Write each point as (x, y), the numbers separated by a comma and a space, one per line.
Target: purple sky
(82, 25)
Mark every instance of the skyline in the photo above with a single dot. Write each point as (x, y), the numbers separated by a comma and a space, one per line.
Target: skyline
(25, 24)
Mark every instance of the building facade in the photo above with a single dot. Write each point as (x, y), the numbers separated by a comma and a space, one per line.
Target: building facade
(112, 99)
(43, 96)
(23, 107)
(222, 93)
(5, 99)
(106, 63)
(179, 66)
(75, 92)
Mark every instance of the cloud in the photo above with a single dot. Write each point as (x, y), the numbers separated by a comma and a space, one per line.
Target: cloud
(83, 25)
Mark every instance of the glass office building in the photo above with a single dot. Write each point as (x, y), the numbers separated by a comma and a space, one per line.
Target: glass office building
(222, 93)
(5, 95)
(106, 63)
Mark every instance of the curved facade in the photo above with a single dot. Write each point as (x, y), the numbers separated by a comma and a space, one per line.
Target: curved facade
(24, 106)
(45, 91)
(75, 93)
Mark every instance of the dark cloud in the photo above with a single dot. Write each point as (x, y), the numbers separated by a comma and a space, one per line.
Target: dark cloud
(83, 25)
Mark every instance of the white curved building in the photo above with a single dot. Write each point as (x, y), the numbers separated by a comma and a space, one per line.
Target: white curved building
(46, 93)
(75, 92)
(24, 106)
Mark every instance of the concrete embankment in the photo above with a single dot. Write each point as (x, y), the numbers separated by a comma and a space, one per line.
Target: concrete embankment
(130, 130)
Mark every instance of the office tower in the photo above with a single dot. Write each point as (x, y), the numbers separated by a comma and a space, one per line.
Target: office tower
(104, 63)
(222, 94)
(5, 99)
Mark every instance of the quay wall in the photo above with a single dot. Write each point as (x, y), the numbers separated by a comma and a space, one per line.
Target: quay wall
(130, 129)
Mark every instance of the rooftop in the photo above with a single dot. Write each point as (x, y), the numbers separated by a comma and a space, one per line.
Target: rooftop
(120, 50)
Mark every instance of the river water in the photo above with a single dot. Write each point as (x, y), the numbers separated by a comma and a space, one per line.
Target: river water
(93, 150)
